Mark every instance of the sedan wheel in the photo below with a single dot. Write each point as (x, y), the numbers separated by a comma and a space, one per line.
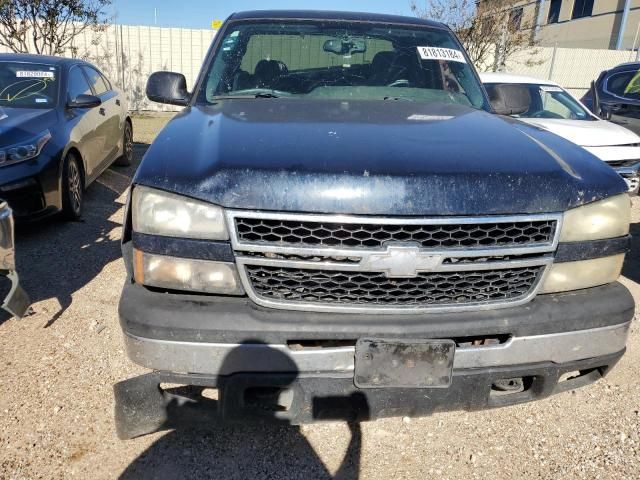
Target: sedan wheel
(72, 189)
(127, 146)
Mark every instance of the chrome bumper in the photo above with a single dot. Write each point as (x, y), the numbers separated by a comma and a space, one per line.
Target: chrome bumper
(226, 359)
(16, 302)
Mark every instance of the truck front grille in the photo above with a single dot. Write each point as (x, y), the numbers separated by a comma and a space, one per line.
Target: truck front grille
(391, 265)
(349, 235)
(372, 288)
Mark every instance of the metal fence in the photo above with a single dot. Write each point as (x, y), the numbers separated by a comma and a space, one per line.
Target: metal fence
(573, 68)
(128, 54)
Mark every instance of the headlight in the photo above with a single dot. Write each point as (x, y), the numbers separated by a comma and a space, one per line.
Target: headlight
(607, 218)
(564, 277)
(161, 213)
(21, 152)
(175, 273)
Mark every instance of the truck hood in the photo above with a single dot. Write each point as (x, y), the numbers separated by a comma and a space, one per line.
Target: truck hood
(588, 133)
(370, 157)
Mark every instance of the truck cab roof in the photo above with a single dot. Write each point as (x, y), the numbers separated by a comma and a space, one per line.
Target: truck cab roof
(334, 15)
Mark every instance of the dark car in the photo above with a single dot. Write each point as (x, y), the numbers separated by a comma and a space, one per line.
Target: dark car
(62, 123)
(337, 226)
(617, 96)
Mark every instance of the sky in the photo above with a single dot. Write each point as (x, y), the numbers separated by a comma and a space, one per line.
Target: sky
(200, 13)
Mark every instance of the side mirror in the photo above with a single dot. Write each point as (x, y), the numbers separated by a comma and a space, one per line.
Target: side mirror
(168, 87)
(85, 101)
(508, 99)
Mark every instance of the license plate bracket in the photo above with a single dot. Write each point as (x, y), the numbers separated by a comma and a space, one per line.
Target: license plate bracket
(402, 363)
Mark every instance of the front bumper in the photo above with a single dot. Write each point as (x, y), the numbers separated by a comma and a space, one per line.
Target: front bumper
(143, 407)
(32, 188)
(229, 358)
(271, 364)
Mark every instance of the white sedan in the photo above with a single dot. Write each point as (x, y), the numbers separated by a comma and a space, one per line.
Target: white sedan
(556, 110)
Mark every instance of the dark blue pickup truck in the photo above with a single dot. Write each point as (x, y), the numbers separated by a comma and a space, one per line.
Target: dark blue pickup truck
(341, 225)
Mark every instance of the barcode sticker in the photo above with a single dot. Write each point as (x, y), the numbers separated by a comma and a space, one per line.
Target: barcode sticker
(33, 74)
(437, 53)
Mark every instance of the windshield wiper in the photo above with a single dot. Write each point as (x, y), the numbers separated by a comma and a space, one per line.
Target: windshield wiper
(265, 95)
(254, 95)
(406, 99)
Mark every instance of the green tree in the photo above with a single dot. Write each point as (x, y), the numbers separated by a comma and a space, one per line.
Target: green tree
(48, 26)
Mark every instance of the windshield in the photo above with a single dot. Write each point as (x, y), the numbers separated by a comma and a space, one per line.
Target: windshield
(551, 102)
(341, 60)
(28, 85)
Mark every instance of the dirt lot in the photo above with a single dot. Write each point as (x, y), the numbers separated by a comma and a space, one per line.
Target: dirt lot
(57, 368)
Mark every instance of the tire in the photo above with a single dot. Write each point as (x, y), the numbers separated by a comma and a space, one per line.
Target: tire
(126, 158)
(72, 188)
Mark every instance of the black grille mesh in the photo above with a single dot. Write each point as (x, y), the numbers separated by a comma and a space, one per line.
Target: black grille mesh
(288, 232)
(373, 288)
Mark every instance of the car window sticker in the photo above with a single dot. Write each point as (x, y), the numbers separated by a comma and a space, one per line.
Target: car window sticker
(550, 88)
(24, 88)
(34, 74)
(437, 53)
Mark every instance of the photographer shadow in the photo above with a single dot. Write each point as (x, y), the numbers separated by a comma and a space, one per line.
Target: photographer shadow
(256, 439)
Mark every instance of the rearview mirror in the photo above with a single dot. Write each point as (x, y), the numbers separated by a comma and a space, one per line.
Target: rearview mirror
(508, 99)
(168, 87)
(345, 46)
(85, 101)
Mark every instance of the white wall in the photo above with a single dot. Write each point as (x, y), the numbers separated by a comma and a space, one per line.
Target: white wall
(128, 54)
(573, 68)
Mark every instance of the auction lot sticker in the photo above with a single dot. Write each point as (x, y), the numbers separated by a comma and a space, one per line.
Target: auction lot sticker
(33, 74)
(437, 53)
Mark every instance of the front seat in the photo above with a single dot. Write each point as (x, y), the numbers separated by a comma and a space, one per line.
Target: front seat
(268, 73)
(380, 68)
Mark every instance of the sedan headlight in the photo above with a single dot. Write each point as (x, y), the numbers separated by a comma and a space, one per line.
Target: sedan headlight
(157, 212)
(23, 151)
(174, 273)
(607, 218)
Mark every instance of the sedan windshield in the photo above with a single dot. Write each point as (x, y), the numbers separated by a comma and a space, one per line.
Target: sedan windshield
(341, 60)
(28, 85)
(551, 102)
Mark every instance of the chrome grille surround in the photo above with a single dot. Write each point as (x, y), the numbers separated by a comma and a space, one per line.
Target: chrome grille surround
(331, 260)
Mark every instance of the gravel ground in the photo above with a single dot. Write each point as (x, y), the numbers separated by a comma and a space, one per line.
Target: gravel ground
(57, 368)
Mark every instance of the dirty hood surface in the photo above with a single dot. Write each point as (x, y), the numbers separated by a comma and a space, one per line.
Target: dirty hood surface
(370, 157)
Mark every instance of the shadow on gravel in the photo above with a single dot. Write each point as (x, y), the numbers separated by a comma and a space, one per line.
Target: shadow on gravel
(55, 259)
(256, 441)
(631, 268)
(240, 451)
